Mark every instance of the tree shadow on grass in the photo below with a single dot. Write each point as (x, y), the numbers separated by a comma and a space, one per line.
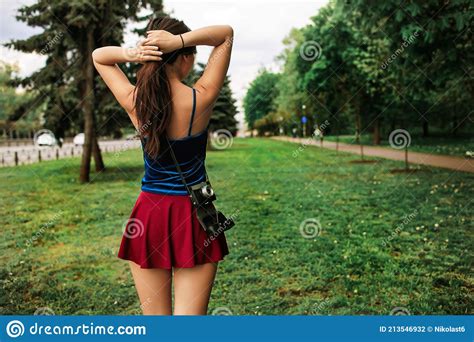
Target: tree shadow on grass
(118, 174)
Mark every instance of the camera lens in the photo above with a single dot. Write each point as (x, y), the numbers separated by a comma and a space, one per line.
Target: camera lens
(207, 191)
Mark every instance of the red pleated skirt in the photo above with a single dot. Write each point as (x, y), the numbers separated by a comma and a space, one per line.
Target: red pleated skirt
(163, 232)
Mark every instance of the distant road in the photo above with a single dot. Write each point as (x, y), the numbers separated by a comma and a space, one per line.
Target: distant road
(443, 161)
(29, 154)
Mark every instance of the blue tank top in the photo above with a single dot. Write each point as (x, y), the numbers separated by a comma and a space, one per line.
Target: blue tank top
(161, 175)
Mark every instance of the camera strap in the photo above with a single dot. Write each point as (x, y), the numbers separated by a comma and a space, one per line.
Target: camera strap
(205, 210)
(178, 167)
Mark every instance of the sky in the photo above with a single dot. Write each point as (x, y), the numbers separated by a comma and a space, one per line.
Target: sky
(259, 29)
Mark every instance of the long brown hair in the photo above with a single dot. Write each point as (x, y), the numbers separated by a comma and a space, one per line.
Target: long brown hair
(153, 92)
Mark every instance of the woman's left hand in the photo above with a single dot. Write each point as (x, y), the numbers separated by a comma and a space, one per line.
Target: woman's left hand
(166, 41)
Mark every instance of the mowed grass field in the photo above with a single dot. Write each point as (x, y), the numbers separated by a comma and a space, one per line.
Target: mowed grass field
(315, 234)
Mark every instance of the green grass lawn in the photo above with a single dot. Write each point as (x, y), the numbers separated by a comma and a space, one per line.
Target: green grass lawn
(437, 145)
(387, 239)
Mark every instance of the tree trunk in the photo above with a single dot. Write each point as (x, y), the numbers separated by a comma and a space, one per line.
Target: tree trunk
(99, 162)
(358, 139)
(376, 137)
(88, 103)
(357, 124)
(425, 129)
(455, 126)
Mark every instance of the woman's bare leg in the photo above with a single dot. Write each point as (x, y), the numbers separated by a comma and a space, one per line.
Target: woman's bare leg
(192, 289)
(153, 288)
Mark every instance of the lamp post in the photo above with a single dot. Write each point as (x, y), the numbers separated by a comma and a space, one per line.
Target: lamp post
(304, 119)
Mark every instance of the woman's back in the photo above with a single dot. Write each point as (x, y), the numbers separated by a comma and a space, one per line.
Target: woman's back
(161, 175)
(185, 102)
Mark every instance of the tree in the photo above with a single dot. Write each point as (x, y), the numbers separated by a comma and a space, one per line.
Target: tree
(375, 66)
(260, 97)
(12, 103)
(67, 84)
(432, 73)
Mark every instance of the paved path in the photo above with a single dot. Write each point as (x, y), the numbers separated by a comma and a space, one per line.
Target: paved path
(448, 162)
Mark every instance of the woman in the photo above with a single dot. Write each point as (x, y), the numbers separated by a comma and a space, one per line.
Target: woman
(163, 238)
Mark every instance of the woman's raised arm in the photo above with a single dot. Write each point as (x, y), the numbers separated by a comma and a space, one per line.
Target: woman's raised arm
(106, 60)
(219, 36)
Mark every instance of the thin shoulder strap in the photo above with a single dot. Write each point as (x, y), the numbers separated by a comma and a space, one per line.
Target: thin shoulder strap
(178, 168)
(193, 112)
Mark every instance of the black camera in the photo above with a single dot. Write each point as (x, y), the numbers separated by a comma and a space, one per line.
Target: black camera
(213, 221)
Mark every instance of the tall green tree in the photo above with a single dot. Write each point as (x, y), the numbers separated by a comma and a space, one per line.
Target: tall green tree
(12, 104)
(366, 66)
(67, 84)
(260, 98)
(432, 73)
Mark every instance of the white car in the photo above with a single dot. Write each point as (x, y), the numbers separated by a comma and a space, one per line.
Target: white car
(78, 139)
(46, 139)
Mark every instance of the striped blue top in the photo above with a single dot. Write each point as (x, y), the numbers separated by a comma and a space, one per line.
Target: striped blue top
(161, 175)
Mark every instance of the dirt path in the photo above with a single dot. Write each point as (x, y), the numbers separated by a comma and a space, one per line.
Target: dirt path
(448, 162)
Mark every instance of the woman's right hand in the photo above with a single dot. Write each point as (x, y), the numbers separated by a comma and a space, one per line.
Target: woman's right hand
(143, 53)
(164, 40)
